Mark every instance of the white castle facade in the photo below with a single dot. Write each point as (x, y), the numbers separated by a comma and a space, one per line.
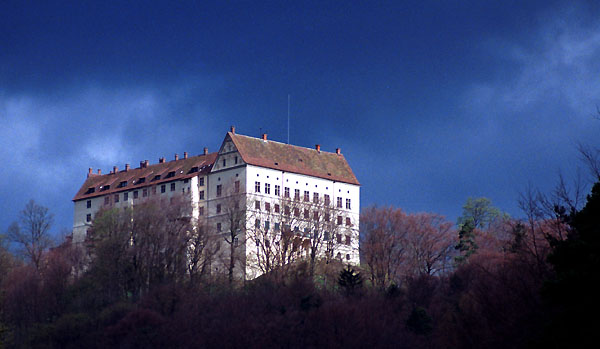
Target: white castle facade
(279, 190)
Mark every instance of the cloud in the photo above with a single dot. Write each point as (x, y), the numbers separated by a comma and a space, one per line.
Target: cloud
(48, 141)
(558, 62)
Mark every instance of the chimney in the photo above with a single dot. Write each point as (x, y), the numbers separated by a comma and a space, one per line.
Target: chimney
(146, 163)
(115, 169)
(90, 170)
(126, 167)
(99, 171)
(318, 147)
(161, 160)
(176, 157)
(264, 136)
(338, 151)
(142, 164)
(185, 154)
(205, 151)
(232, 129)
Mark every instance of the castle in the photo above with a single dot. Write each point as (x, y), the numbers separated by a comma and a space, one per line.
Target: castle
(285, 190)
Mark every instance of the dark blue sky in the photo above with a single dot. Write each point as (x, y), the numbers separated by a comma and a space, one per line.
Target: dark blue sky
(431, 102)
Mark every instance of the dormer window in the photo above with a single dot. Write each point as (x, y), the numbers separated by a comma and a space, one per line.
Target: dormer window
(171, 174)
(157, 177)
(123, 184)
(141, 180)
(106, 187)
(90, 190)
(194, 169)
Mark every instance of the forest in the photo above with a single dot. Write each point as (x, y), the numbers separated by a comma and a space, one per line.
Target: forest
(143, 280)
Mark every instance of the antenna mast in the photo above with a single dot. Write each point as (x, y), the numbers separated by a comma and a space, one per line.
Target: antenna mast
(288, 139)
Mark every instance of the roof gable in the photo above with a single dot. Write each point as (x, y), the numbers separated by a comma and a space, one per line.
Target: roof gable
(291, 158)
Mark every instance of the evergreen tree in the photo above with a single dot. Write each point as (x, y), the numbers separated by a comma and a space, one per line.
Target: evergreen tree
(572, 295)
(350, 280)
(466, 241)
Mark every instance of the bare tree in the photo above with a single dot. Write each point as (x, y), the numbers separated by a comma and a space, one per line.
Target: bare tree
(32, 232)
(201, 250)
(287, 230)
(430, 242)
(229, 224)
(384, 244)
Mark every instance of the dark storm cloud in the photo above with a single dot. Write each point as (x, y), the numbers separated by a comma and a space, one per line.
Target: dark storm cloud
(430, 103)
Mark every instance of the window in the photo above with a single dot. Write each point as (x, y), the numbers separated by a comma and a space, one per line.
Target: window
(326, 199)
(267, 188)
(296, 212)
(326, 217)
(224, 162)
(296, 194)
(236, 242)
(218, 208)
(157, 177)
(268, 206)
(123, 184)
(170, 174)
(257, 205)
(276, 208)
(154, 190)
(316, 198)
(186, 180)
(125, 196)
(306, 232)
(326, 236)
(287, 210)
(201, 181)
(306, 195)
(116, 198)
(106, 200)
(286, 192)
(172, 186)
(348, 223)
(347, 240)
(276, 226)
(347, 257)
(201, 211)
(90, 190)
(267, 225)
(219, 227)
(135, 194)
(306, 213)
(163, 188)
(316, 216)
(339, 220)
(257, 223)
(141, 180)
(88, 217)
(235, 160)
(257, 187)
(339, 202)
(339, 238)
(348, 204)
(237, 186)
(145, 192)
(277, 190)
(219, 190)
(89, 204)
(201, 194)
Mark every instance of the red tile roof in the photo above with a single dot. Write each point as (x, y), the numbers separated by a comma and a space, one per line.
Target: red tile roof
(291, 158)
(182, 169)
